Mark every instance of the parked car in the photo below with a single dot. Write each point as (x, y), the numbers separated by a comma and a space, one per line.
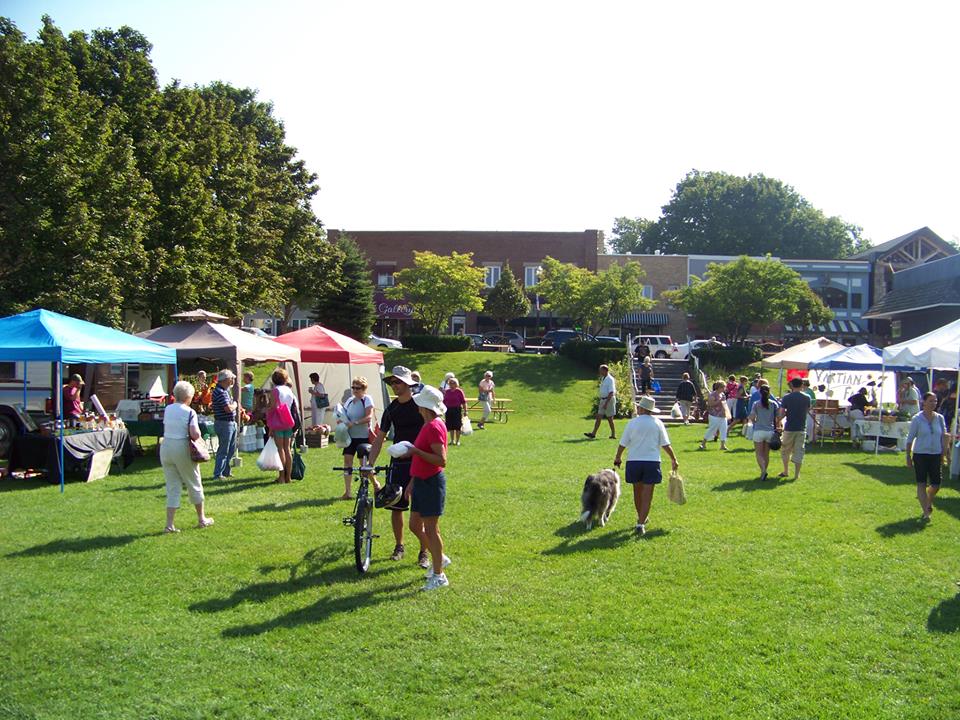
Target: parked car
(476, 341)
(682, 352)
(557, 338)
(661, 346)
(381, 342)
(257, 331)
(609, 339)
(514, 340)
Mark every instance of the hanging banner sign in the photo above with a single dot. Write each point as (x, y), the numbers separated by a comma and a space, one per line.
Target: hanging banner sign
(388, 309)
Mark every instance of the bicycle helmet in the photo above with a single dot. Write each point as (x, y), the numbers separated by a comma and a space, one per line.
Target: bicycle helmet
(388, 496)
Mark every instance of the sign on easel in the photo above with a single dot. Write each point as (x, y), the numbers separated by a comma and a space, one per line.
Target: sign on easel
(100, 464)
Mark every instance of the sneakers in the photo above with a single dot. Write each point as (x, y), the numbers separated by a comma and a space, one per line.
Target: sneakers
(423, 559)
(397, 553)
(589, 435)
(446, 561)
(640, 529)
(702, 445)
(436, 581)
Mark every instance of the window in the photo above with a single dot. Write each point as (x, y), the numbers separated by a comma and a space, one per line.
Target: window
(833, 297)
(648, 292)
(8, 370)
(856, 300)
(385, 278)
(531, 275)
(492, 275)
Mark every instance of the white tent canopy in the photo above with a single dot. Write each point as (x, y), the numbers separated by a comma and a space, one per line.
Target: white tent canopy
(939, 348)
(800, 356)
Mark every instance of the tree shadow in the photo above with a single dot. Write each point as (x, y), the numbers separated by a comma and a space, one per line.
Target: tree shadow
(884, 473)
(219, 488)
(79, 545)
(310, 503)
(945, 617)
(949, 505)
(596, 539)
(535, 372)
(323, 609)
(159, 485)
(310, 571)
(907, 526)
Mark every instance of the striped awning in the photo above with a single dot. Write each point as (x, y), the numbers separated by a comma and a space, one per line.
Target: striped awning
(848, 327)
(644, 318)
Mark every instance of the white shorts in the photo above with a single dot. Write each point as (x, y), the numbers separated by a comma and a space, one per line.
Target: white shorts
(762, 435)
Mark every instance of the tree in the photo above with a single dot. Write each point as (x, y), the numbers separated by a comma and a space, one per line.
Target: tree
(589, 299)
(349, 309)
(630, 235)
(742, 293)
(506, 300)
(716, 213)
(811, 310)
(439, 285)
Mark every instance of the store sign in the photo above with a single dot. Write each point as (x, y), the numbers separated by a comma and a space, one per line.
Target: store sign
(388, 309)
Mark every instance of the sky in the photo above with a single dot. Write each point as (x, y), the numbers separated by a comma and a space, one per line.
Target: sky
(562, 116)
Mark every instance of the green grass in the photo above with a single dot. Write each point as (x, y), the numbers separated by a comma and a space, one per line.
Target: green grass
(823, 598)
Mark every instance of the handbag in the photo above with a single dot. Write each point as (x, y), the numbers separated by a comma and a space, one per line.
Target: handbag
(299, 468)
(775, 442)
(675, 490)
(322, 400)
(199, 452)
(483, 396)
(279, 417)
(466, 428)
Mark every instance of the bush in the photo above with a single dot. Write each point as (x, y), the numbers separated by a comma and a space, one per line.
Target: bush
(624, 384)
(729, 358)
(437, 343)
(591, 354)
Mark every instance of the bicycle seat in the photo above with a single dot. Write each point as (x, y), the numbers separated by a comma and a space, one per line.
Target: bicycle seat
(363, 450)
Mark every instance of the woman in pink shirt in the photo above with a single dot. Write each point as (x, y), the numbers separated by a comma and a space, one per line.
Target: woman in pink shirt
(428, 492)
(456, 402)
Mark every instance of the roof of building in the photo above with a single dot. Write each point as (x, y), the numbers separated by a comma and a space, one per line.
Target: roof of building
(882, 249)
(935, 293)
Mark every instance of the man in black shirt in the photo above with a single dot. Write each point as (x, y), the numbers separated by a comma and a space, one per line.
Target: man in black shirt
(686, 392)
(403, 417)
(859, 402)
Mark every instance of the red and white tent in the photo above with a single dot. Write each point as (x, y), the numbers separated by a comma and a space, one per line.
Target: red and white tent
(337, 359)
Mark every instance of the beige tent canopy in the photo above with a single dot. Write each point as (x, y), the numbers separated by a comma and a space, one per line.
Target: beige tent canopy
(800, 356)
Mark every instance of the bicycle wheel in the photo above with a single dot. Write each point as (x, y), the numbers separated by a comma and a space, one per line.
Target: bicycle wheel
(363, 533)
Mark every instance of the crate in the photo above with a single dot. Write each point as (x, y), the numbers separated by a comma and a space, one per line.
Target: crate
(317, 440)
(250, 438)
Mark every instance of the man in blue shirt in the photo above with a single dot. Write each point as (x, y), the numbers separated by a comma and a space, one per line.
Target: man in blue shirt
(795, 406)
(225, 424)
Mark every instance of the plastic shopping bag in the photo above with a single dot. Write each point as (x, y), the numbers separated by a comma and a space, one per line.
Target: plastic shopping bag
(748, 431)
(675, 412)
(341, 436)
(269, 457)
(675, 490)
(655, 386)
(466, 428)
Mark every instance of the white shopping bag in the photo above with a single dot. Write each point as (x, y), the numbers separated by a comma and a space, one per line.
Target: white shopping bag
(466, 428)
(748, 431)
(269, 457)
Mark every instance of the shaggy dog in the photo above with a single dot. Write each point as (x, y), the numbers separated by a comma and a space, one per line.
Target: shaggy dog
(599, 497)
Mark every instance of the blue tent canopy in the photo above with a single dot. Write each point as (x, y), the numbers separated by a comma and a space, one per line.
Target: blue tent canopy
(41, 335)
(858, 357)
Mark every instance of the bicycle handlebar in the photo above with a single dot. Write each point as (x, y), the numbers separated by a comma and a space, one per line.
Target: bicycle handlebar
(363, 468)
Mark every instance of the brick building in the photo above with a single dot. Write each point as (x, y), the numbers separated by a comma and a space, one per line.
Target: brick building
(664, 272)
(391, 251)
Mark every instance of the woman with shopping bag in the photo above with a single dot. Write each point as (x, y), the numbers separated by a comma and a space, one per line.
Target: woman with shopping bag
(280, 421)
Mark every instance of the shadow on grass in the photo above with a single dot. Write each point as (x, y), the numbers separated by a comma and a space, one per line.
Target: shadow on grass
(311, 571)
(159, 485)
(771, 483)
(583, 439)
(311, 503)
(79, 545)
(885, 474)
(227, 487)
(949, 505)
(535, 372)
(596, 539)
(908, 526)
(11, 485)
(945, 617)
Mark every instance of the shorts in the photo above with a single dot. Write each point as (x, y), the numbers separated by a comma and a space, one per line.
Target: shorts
(762, 435)
(928, 469)
(282, 433)
(355, 443)
(793, 441)
(610, 410)
(646, 472)
(400, 475)
(429, 495)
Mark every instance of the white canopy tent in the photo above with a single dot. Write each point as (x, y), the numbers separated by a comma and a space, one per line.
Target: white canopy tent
(800, 356)
(939, 348)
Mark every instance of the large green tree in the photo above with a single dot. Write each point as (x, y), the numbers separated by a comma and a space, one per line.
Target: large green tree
(438, 286)
(347, 306)
(506, 300)
(746, 292)
(715, 213)
(631, 235)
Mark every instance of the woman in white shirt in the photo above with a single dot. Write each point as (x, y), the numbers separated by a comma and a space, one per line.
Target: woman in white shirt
(282, 435)
(643, 437)
(179, 428)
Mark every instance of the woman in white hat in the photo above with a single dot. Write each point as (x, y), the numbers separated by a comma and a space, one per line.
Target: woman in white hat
(643, 437)
(486, 395)
(427, 493)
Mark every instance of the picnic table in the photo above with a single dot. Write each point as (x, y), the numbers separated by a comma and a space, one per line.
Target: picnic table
(498, 408)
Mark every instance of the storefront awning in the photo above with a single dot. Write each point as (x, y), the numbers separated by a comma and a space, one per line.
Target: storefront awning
(644, 318)
(845, 327)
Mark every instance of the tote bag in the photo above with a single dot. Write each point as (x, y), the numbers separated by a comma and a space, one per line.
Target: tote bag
(279, 417)
(199, 452)
(675, 490)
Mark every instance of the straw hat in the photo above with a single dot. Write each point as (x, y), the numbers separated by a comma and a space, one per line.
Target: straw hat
(649, 404)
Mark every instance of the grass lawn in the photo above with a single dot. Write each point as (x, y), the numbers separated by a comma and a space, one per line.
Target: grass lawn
(823, 598)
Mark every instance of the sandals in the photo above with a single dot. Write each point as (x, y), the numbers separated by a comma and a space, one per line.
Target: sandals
(205, 523)
(171, 530)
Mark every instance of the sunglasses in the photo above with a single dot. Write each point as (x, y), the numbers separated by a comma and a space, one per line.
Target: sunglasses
(357, 387)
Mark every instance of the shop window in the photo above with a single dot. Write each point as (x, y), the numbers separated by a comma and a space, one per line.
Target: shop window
(833, 297)
(492, 276)
(531, 275)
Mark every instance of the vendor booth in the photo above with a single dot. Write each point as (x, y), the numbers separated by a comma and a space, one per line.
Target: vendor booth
(800, 356)
(44, 336)
(337, 359)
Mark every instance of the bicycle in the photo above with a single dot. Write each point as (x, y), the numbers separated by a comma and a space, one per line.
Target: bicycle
(362, 517)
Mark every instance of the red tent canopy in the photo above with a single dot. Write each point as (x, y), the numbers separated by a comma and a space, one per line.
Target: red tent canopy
(320, 345)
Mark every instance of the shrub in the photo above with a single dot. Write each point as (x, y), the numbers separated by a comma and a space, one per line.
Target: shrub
(591, 354)
(437, 343)
(624, 380)
(729, 358)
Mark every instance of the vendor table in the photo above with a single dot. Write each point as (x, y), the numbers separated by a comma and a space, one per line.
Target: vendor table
(869, 429)
(498, 408)
(41, 452)
(154, 428)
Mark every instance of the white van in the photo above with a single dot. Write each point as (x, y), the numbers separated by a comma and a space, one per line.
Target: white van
(661, 346)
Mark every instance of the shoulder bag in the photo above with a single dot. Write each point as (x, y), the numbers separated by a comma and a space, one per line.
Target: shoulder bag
(199, 452)
(279, 417)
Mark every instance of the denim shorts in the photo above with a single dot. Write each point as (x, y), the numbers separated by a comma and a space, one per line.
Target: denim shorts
(646, 472)
(429, 495)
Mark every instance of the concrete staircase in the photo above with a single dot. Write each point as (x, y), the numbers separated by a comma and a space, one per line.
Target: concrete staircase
(668, 373)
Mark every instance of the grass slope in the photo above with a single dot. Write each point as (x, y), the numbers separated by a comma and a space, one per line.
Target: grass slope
(823, 598)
